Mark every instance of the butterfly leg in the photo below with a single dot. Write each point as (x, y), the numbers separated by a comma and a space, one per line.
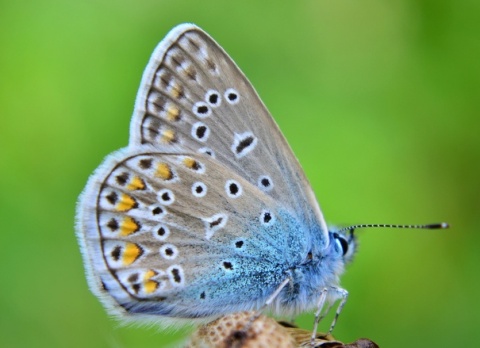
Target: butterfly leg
(328, 311)
(343, 295)
(318, 317)
(340, 293)
(325, 312)
(276, 292)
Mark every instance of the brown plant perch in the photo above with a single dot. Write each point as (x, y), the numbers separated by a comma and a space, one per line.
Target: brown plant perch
(231, 331)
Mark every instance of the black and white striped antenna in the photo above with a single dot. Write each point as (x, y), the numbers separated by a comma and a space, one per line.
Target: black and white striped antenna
(435, 226)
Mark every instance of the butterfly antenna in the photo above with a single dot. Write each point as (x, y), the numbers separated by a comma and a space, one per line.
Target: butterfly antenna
(434, 226)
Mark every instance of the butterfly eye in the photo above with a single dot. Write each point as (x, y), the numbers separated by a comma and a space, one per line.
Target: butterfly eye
(341, 243)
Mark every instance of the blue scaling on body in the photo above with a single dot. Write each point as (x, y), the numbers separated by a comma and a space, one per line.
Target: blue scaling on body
(207, 211)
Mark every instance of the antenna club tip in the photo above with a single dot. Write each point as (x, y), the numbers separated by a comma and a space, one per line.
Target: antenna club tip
(441, 225)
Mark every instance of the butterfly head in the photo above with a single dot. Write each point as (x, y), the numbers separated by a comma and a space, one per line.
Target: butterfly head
(343, 244)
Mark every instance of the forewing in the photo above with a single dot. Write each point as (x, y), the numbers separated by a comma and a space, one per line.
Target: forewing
(193, 97)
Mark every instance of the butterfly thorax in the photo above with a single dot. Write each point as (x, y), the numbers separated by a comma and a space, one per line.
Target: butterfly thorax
(309, 278)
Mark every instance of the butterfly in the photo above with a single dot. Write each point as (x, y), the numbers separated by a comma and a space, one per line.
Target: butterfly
(207, 210)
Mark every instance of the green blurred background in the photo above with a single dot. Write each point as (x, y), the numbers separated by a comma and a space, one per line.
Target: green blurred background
(379, 100)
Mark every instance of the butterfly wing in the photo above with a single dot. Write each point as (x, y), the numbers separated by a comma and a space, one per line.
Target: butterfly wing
(194, 97)
(207, 209)
(172, 234)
